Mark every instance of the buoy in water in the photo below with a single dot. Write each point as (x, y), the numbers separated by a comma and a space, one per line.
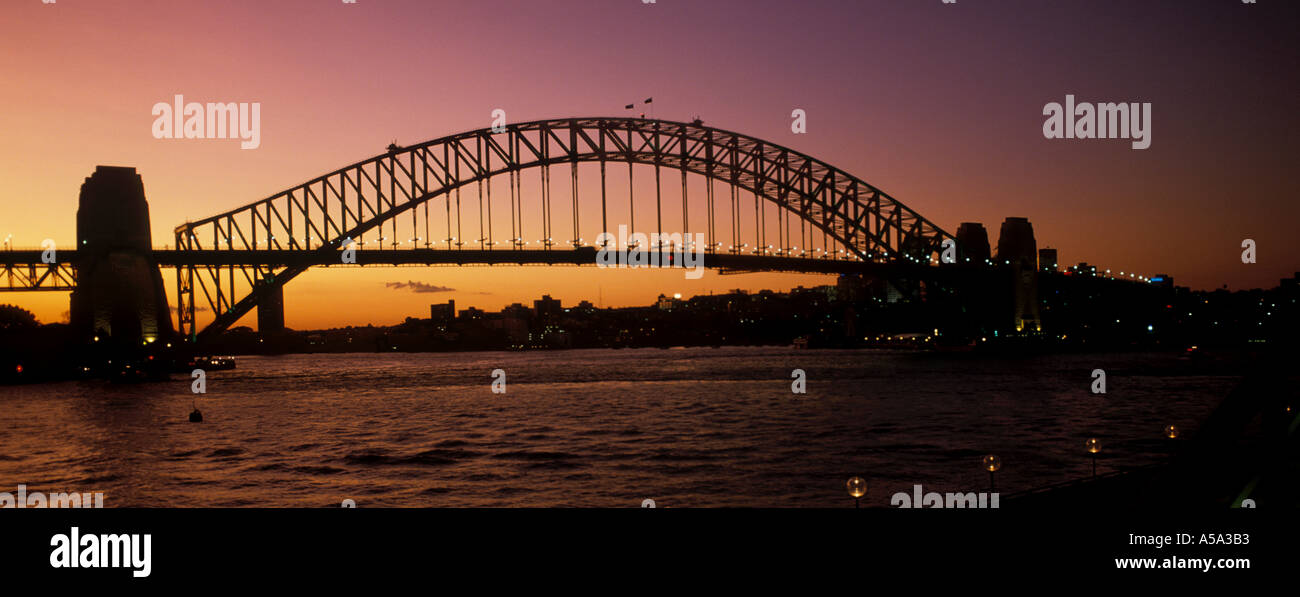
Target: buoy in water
(196, 416)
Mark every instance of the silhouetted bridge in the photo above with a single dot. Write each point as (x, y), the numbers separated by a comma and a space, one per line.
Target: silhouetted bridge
(24, 271)
(759, 206)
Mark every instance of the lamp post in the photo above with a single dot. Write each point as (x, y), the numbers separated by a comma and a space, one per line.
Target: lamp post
(992, 464)
(1093, 447)
(857, 487)
(1171, 432)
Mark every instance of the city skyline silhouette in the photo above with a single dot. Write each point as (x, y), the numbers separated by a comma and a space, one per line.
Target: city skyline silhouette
(955, 147)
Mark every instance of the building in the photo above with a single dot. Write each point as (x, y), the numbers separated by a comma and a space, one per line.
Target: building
(514, 329)
(443, 313)
(518, 311)
(547, 307)
(1047, 259)
(1289, 285)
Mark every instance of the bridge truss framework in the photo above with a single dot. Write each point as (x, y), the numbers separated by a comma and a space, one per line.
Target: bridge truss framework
(855, 220)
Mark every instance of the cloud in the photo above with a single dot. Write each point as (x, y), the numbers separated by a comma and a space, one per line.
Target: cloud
(418, 287)
(197, 308)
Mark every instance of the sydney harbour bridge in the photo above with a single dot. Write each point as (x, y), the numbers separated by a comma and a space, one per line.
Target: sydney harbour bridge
(460, 200)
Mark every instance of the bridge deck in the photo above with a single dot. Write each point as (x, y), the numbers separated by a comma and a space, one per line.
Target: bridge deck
(25, 271)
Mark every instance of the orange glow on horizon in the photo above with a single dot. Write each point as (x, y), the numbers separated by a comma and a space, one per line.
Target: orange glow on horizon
(931, 131)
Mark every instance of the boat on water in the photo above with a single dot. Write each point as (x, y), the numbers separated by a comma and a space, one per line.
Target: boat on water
(211, 363)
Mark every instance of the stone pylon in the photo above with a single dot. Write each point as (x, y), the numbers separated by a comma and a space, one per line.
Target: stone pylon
(119, 293)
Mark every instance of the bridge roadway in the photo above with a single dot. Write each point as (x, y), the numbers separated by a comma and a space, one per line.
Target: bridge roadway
(23, 270)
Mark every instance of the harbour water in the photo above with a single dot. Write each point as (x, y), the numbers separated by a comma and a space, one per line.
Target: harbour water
(693, 427)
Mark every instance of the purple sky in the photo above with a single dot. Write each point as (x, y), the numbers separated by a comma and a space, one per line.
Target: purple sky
(939, 105)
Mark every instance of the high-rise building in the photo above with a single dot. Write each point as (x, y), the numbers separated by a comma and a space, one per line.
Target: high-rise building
(547, 306)
(443, 313)
(1047, 259)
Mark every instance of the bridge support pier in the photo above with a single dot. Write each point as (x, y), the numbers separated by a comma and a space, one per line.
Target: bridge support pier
(1017, 248)
(270, 311)
(119, 294)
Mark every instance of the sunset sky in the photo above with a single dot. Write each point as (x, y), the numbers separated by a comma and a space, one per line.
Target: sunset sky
(940, 105)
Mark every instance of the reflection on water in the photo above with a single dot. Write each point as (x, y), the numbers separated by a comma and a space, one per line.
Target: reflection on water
(692, 427)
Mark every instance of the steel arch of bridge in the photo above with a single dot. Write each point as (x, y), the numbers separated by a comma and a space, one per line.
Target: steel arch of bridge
(347, 203)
